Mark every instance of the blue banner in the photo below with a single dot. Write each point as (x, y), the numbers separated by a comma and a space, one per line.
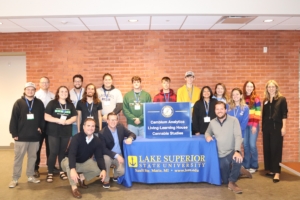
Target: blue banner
(167, 120)
(174, 160)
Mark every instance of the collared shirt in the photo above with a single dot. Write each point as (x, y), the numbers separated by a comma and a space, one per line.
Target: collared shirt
(45, 97)
(75, 97)
(116, 148)
(89, 140)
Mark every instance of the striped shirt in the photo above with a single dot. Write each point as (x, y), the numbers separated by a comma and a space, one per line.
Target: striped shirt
(254, 112)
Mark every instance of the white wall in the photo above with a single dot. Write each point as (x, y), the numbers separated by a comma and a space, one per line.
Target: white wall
(12, 80)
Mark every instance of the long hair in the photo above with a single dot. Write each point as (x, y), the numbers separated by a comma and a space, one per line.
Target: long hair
(57, 96)
(231, 101)
(201, 94)
(95, 96)
(224, 95)
(277, 93)
(253, 94)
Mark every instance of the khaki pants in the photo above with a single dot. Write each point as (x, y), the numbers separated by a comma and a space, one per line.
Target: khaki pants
(89, 169)
(118, 170)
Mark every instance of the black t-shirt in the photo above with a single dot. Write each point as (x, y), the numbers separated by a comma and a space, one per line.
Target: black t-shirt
(89, 110)
(55, 109)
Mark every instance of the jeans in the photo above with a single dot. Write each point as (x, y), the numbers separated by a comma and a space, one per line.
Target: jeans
(44, 136)
(137, 130)
(230, 169)
(74, 129)
(250, 149)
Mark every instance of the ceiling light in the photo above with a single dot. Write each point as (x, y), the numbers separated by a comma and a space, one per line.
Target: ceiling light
(133, 20)
(64, 22)
(268, 20)
(0, 23)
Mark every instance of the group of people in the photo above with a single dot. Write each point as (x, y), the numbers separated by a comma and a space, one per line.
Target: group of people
(90, 115)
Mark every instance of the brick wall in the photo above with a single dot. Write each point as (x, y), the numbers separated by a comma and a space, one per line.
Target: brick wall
(230, 57)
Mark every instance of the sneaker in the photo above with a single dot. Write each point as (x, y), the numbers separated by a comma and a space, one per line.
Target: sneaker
(234, 188)
(115, 179)
(13, 184)
(36, 174)
(251, 170)
(106, 185)
(33, 180)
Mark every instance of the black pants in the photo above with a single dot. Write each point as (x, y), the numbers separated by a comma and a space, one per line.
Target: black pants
(44, 137)
(272, 145)
(58, 147)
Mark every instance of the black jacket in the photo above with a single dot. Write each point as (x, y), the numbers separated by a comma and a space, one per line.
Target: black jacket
(19, 126)
(106, 136)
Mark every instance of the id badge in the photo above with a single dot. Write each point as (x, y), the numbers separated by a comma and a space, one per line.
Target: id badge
(137, 107)
(206, 119)
(106, 103)
(64, 117)
(30, 116)
(192, 105)
(91, 117)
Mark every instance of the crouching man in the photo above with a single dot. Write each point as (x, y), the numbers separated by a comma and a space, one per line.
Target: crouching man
(79, 158)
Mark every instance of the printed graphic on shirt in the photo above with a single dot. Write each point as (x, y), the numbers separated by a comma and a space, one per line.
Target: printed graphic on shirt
(60, 111)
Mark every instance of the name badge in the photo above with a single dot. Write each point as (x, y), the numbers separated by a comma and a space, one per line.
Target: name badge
(106, 103)
(30, 116)
(64, 117)
(206, 119)
(91, 117)
(137, 107)
(192, 105)
(266, 102)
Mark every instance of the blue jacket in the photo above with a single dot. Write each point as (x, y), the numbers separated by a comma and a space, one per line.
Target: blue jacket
(241, 114)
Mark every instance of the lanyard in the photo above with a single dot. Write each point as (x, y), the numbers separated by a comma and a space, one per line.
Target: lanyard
(190, 94)
(167, 99)
(106, 94)
(29, 107)
(137, 96)
(206, 107)
(63, 110)
(90, 111)
(78, 96)
(236, 110)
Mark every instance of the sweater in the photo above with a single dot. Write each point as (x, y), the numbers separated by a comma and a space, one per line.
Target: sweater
(227, 134)
(242, 115)
(254, 112)
(19, 126)
(161, 96)
(131, 105)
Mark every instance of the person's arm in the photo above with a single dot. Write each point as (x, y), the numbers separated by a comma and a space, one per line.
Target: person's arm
(127, 133)
(100, 119)
(195, 118)
(42, 118)
(245, 118)
(71, 120)
(179, 95)
(147, 100)
(284, 111)
(257, 114)
(237, 135)
(118, 108)
(13, 125)
(126, 110)
(119, 100)
(73, 117)
(78, 119)
(209, 133)
(105, 150)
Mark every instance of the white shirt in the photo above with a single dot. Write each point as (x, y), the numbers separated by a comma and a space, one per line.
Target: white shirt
(89, 140)
(75, 97)
(44, 96)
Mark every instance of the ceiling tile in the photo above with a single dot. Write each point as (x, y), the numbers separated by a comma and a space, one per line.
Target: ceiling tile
(12, 30)
(200, 22)
(143, 23)
(30, 22)
(73, 24)
(227, 26)
(260, 20)
(6, 23)
(285, 27)
(292, 20)
(100, 23)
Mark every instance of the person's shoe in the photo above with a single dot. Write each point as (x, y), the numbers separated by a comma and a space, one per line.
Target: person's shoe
(31, 179)
(76, 193)
(13, 184)
(115, 179)
(251, 170)
(234, 188)
(245, 172)
(36, 174)
(81, 184)
(270, 174)
(106, 185)
(276, 180)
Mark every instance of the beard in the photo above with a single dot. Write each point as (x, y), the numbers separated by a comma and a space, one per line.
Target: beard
(77, 87)
(221, 117)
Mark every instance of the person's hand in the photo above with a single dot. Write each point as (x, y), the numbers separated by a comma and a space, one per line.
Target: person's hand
(137, 121)
(197, 133)
(39, 130)
(104, 118)
(254, 129)
(283, 131)
(16, 138)
(74, 176)
(102, 175)
(237, 157)
(209, 138)
(61, 121)
(120, 159)
(128, 140)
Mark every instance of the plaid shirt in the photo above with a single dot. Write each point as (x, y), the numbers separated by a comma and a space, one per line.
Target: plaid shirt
(160, 97)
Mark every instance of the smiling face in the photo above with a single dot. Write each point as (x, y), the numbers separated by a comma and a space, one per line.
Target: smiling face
(90, 91)
(220, 91)
(165, 84)
(77, 83)
(29, 92)
(63, 93)
(220, 110)
(189, 80)
(272, 89)
(107, 82)
(44, 84)
(236, 96)
(206, 93)
(249, 88)
(89, 127)
(136, 85)
(112, 121)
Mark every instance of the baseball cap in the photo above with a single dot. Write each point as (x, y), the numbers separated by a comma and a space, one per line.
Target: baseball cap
(29, 84)
(189, 73)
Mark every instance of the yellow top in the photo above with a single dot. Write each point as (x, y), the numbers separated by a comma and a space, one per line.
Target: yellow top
(184, 93)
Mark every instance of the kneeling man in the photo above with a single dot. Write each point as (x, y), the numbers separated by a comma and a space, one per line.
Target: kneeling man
(113, 135)
(227, 132)
(79, 159)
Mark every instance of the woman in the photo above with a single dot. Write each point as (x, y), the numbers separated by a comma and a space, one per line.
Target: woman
(220, 92)
(89, 107)
(204, 111)
(60, 114)
(250, 161)
(274, 128)
(239, 109)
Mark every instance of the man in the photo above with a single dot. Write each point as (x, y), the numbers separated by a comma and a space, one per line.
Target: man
(113, 136)
(26, 125)
(45, 96)
(227, 132)
(133, 106)
(166, 94)
(79, 158)
(111, 98)
(76, 95)
(89, 107)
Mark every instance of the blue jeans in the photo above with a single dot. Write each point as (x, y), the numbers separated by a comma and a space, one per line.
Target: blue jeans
(137, 130)
(74, 129)
(230, 169)
(250, 149)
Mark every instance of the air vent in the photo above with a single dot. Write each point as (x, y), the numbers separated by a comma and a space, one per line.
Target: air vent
(236, 20)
